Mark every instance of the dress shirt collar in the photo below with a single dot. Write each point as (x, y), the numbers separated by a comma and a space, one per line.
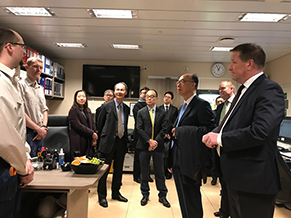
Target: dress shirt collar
(230, 98)
(116, 104)
(30, 83)
(154, 108)
(249, 82)
(190, 99)
(7, 70)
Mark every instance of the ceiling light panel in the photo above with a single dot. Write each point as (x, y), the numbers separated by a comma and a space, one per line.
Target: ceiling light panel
(221, 48)
(124, 46)
(29, 11)
(122, 14)
(70, 45)
(261, 17)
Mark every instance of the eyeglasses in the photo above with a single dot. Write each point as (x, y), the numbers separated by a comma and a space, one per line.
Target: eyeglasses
(183, 81)
(23, 46)
(150, 96)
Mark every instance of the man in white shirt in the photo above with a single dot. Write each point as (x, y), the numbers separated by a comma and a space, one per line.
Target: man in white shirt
(36, 111)
(15, 164)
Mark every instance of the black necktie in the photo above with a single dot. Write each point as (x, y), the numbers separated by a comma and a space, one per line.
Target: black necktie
(167, 108)
(231, 107)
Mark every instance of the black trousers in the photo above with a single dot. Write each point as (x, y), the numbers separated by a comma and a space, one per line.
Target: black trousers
(117, 154)
(250, 205)
(136, 164)
(158, 159)
(189, 195)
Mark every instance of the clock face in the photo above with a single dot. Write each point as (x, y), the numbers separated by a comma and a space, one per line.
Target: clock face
(218, 69)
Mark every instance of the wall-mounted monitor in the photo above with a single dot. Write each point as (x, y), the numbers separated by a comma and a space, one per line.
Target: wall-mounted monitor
(98, 78)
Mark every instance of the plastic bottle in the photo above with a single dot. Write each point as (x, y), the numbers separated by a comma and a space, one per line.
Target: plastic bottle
(61, 157)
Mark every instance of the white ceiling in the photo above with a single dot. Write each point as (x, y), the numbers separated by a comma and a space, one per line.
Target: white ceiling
(168, 30)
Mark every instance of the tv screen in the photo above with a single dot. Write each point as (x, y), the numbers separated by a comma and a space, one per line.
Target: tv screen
(98, 78)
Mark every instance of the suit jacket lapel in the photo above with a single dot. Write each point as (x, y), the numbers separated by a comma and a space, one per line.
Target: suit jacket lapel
(246, 94)
(114, 108)
(188, 109)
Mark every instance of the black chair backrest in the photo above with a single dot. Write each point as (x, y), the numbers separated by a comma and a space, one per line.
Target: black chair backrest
(58, 135)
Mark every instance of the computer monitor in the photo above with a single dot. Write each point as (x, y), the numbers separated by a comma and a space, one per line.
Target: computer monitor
(285, 131)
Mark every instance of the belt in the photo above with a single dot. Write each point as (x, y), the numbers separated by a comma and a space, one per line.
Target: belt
(3, 165)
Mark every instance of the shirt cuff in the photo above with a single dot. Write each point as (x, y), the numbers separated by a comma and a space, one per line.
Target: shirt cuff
(219, 139)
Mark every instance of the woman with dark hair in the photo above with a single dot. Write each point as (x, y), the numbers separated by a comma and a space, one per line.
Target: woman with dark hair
(82, 127)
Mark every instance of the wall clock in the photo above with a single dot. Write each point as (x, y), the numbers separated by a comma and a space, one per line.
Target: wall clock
(218, 69)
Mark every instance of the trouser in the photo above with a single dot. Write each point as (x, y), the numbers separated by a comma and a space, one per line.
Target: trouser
(136, 164)
(189, 195)
(35, 145)
(158, 159)
(250, 205)
(9, 195)
(117, 154)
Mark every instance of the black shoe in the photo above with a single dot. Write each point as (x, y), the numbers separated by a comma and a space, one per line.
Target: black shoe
(214, 181)
(119, 197)
(137, 180)
(150, 179)
(217, 214)
(144, 200)
(164, 202)
(169, 176)
(103, 202)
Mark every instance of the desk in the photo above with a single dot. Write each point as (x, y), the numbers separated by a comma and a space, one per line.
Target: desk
(75, 185)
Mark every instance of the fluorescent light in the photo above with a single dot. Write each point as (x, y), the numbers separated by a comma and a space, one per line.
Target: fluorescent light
(262, 17)
(29, 11)
(221, 48)
(124, 46)
(106, 13)
(69, 45)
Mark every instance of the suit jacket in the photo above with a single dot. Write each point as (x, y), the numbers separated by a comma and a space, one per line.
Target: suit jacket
(107, 126)
(81, 131)
(97, 112)
(249, 139)
(198, 119)
(171, 117)
(144, 128)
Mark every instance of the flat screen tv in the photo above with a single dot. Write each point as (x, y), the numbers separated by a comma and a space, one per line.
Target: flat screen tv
(98, 78)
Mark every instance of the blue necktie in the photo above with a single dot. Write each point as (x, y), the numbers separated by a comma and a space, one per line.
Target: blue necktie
(182, 110)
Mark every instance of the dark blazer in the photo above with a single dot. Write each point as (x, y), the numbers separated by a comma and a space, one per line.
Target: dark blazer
(217, 113)
(97, 112)
(107, 126)
(171, 117)
(197, 119)
(144, 128)
(249, 139)
(81, 131)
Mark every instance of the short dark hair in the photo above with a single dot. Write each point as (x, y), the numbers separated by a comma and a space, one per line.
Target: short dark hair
(252, 51)
(144, 88)
(6, 35)
(194, 78)
(170, 93)
(75, 98)
(123, 83)
(108, 90)
(154, 91)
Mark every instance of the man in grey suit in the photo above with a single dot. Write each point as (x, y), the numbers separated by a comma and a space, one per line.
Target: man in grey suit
(247, 136)
(112, 129)
(151, 127)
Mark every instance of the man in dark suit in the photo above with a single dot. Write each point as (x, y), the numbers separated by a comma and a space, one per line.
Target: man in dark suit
(112, 129)
(188, 157)
(108, 96)
(226, 91)
(151, 127)
(139, 105)
(172, 113)
(247, 137)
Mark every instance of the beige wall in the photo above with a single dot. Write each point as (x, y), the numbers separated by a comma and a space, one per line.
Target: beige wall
(280, 71)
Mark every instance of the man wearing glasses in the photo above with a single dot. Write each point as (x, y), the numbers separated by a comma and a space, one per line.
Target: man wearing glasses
(15, 167)
(151, 126)
(188, 155)
(36, 111)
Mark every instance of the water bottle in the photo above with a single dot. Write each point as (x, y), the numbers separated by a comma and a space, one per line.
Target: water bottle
(61, 157)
